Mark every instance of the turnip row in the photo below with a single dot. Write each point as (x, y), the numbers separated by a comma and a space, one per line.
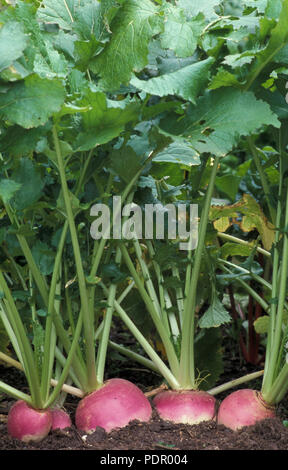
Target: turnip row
(82, 121)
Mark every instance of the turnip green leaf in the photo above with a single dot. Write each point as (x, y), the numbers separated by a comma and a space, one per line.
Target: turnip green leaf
(216, 123)
(186, 82)
(31, 102)
(12, 43)
(127, 52)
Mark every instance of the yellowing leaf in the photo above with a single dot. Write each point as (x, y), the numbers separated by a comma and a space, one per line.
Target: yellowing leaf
(222, 224)
(255, 219)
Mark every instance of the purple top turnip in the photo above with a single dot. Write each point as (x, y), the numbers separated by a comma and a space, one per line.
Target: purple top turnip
(28, 424)
(187, 406)
(112, 406)
(243, 408)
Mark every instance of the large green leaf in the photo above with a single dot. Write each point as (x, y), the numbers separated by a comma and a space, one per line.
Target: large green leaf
(187, 82)
(104, 121)
(61, 13)
(12, 43)
(219, 118)
(127, 52)
(31, 102)
(88, 18)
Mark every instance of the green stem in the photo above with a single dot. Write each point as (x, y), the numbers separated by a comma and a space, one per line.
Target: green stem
(187, 365)
(87, 323)
(257, 278)
(159, 276)
(161, 366)
(250, 291)
(49, 341)
(41, 283)
(134, 356)
(102, 352)
(146, 275)
(179, 295)
(235, 382)
(67, 366)
(275, 284)
(23, 344)
(263, 177)
(169, 348)
(62, 361)
(15, 393)
(275, 347)
(278, 390)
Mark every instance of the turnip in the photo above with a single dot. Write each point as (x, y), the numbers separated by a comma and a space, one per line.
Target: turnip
(187, 406)
(28, 424)
(112, 406)
(243, 408)
(60, 419)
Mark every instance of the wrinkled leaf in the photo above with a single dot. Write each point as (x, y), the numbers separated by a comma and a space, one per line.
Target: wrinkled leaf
(127, 51)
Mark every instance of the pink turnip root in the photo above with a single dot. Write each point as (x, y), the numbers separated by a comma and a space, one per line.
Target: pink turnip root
(112, 406)
(185, 406)
(28, 424)
(60, 419)
(243, 408)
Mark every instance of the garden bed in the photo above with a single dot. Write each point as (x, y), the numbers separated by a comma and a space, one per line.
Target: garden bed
(156, 435)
